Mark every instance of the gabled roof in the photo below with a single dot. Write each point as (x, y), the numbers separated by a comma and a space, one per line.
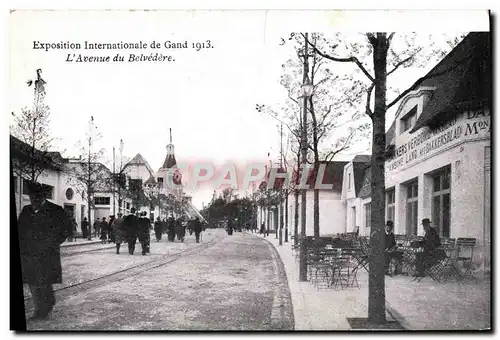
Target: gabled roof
(150, 180)
(390, 134)
(139, 160)
(334, 175)
(44, 159)
(366, 188)
(358, 169)
(462, 80)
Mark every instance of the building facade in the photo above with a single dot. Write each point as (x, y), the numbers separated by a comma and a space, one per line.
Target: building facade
(441, 153)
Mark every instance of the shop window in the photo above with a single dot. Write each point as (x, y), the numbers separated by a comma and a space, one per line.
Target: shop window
(409, 120)
(412, 208)
(368, 215)
(441, 212)
(102, 200)
(391, 204)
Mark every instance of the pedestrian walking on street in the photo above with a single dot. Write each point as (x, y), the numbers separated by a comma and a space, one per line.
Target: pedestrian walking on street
(104, 228)
(263, 229)
(130, 227)
(230, 227)
(197, 228)
(111, 235)
(180, 229)
(171, 229)
(116, 230)
(85, 229)
(143, 234)
(158, 229)
(97, 227)
(74, 230)
(43, 226)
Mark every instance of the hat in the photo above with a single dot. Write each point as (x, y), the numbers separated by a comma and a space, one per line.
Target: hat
(132, 210)
(389, 224)
(426, 220)
(38, 189)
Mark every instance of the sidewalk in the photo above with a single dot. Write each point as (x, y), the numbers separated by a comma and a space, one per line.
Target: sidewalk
(425, 305)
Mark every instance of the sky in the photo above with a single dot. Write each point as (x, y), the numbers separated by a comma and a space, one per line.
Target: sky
(206, 97)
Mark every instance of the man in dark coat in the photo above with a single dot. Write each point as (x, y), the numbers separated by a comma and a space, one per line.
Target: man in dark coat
(130, 226)
(158, 229)
(391, 251)
(43, 226)
(85, 228)
(197, 228)
(180, 229)
(143, 234)
(431, 254)
(171, 229)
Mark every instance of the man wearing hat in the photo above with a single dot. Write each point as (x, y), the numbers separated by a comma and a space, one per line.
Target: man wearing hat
(431, 254)
(130, 227)
(391, 251)
(43, 226)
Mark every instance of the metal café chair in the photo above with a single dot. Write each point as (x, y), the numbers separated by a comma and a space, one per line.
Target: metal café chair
(345, 268)
(445, 268)
(465, 254)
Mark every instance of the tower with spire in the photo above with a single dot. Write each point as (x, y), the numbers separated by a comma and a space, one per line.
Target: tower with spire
(169, 173)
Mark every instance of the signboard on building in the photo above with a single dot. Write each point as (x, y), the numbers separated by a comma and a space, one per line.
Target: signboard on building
(469, 125)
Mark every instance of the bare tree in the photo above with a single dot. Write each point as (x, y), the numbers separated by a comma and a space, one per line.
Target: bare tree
(31, 127)
(387, 55)
(336, 124)
(88, 175)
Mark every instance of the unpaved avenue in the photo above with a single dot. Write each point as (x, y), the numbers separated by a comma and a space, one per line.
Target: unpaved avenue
(236, 284)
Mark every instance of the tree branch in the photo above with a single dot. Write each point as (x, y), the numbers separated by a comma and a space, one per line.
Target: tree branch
(402, 62)
(342, 60)
(368, 100)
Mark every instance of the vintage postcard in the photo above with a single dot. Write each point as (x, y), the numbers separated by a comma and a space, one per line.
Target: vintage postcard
(250, 170)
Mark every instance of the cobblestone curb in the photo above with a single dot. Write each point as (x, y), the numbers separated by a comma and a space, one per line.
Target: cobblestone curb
(282, 317)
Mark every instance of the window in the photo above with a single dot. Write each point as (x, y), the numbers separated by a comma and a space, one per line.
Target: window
(102, 200)
(409, 120)
(368, 215)
(349, 181)
(160, 182)
(412, 208)
(391, 204)
(128, 205)
(15, 184)
(441, 213)
(69, 194)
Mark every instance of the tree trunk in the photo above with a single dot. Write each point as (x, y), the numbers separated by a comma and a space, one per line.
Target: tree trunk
(286, 216)
(316, 212)
(296, 219)
(281, 222)
(376, 291)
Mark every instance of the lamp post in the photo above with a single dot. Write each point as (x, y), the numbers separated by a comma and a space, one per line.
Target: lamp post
(307, 89)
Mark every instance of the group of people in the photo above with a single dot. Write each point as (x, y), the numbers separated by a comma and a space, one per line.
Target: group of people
(425, 259)
(176, 228)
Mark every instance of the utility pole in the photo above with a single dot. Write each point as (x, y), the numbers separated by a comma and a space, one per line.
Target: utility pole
(281, 188)
(114, 184)
(89, 184)
(303, 254)
(120, 178)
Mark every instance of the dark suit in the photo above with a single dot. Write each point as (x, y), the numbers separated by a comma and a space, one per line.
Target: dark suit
(197, 228)
(390, 252)
(143, 234)
(40, 236)
(130, 228)
(431, 254)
